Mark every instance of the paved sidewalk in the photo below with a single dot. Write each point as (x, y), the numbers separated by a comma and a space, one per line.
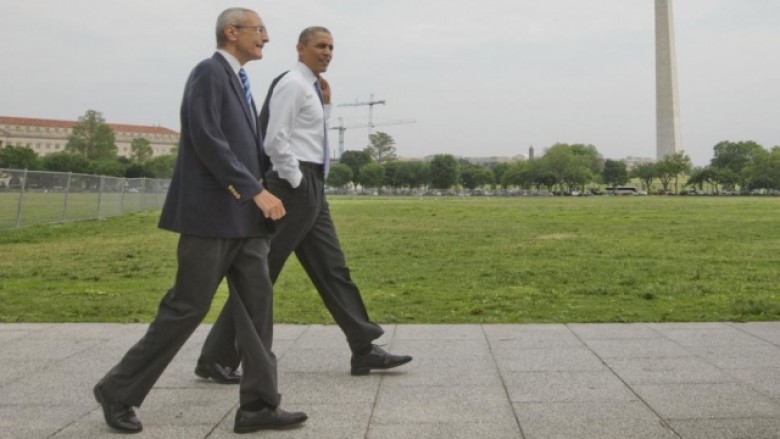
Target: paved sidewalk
(576, 381)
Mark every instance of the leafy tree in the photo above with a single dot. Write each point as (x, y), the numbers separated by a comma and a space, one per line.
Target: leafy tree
(382, 147)
(589, 156)
(683, 166)
(355, 160)
(698, 177)
(614, 173)
(413, 174)
(517, 174)
(339, 175)
(372, 175)
(141, 150)
(107, 167)
(764, 171)
(18, 157)
(570, 165)
(160, 167)
(67, 162)
(736, 157)
(646, 173)
(476, 176)
(92, 138)
(670, 167)
(137, 170)
(391, 174)
(498, 172)
(445, 171)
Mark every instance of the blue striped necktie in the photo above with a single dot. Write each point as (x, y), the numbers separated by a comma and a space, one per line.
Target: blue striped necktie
(245, 83)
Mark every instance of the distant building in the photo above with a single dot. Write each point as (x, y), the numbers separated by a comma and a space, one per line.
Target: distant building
(46, 136)
(633, 162)
(484, 160)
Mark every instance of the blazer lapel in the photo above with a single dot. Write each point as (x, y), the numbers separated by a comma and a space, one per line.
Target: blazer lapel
(238, 89)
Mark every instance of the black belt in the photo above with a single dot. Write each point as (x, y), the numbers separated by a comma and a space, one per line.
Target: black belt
(318, 167)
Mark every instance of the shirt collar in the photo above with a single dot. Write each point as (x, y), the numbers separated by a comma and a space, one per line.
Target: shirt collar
(306, 72)
(232, 61)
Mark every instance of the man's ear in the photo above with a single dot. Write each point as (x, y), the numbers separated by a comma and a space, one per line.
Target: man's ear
(230, 32)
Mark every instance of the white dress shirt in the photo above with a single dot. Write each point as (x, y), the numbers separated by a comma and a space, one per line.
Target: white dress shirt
(296, 124)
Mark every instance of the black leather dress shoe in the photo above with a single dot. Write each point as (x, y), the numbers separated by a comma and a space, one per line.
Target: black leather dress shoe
(267, 418)
(218, 373)
(376, 358)
(118, 416)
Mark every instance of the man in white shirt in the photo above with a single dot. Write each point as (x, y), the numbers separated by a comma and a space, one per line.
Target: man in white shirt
(296, 110)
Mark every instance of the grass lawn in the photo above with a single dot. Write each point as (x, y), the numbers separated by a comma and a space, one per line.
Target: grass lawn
(444, 260)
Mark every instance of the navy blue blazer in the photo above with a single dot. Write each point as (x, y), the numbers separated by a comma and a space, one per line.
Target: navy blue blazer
(218, 169)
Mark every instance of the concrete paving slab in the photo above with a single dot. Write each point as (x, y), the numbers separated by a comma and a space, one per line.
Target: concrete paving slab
(740, 357)
(8, 336)
(707, 401)
(429, 404)
(721, 336)
(588, 420)
(566, 386)
(668, 370)
(334, 387)
(44, 350)
(551, 359)
(439, 332)
(531, 336)
(678, 380)
(765, 381)
(446, 430)
(750, 428)
(767, 331)
(426, 371)
(325, 422)
(610, 331)
(315, 360)
(27, 420)
(637, 348)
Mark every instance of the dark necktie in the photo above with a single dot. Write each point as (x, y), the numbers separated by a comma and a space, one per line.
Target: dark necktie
(326, 158)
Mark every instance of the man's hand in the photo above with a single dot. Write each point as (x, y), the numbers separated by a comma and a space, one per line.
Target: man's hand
(325, 87)
(271, 206)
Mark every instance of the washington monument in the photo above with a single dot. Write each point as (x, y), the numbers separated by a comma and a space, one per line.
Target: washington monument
(667, 112)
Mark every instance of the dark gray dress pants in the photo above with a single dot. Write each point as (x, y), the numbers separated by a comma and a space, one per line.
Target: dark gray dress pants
(203, 263)
(307, 230)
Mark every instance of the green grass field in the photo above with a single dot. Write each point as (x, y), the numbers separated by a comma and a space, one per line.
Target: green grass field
(444, 260)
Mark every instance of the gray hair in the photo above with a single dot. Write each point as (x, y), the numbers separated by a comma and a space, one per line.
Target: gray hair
(309, 32)
(230, 17)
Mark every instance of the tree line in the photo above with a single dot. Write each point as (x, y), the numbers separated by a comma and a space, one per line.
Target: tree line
(736, 166)
(740, 166)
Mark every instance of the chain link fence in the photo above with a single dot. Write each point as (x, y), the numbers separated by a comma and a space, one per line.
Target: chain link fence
(39, 197)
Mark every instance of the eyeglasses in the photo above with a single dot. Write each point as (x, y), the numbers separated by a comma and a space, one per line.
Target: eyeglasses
(257, 29)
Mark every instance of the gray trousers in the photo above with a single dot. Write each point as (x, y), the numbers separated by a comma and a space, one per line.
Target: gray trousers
(203, 263)
(307, 230)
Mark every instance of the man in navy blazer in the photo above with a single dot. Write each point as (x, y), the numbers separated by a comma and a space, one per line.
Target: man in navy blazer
(217, 203)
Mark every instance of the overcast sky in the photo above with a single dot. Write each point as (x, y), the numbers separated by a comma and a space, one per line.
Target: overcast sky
(486, 78)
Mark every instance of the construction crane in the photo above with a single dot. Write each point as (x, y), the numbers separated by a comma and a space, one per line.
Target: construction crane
(371, 102)
(341, 128)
